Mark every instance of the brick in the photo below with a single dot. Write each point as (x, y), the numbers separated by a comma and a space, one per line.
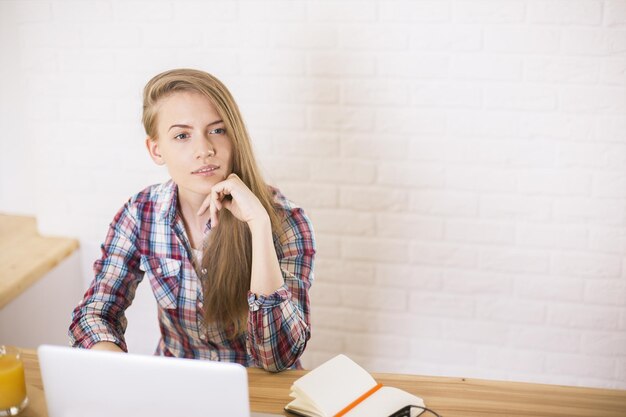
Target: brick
(28, 11)
(552, 236)
(384, 146)
(326, 341)
(442, 352)
(586, 265)
(287, 90)
(585, 155)
(548, 287)
(342, 271)
(323, 294)
(399, 120)
(422, 303)
(87, 60)
(514, 260)
(276, 115)
(606, 292)
(490, 11)
(486, 67)
(340, 64)
(408, 276)
(471, 331)
(230, 36)
(411, 11)
(272, 11)
(480, 179)
(584, 41)
(435, 94)
(476, 282)
(583, 317)
(350, 10)
(410, 175)
(344, 171)
(373, 199)
(479, 231)
(311, 195)
(509, 206)
(81, 11)
(452, 37)
(191, 11)
(562, 70)
(580, 365)
(372, 36)
(342, 118)
(305, 36)
(306, 144)
(614, 71)
(370, 249)
(555, 182)
(607, 240)
(108, 35)
(562, 126)
(616, 42)
(483, 123)
(171, 37)
(273, 63)
(617, 157)
(548, 339)
(439, 150)
(443, 254)
(520, 361)
(344, 222)
(51, 35)
(408, 226)
(444, 203)
(286, 169)
(413, 65)
(600, 212)
(40, 61)
(523, 40)
(579, 12)
(614, 13)
(379, 345)
(516, 153)
(596, 99)
(366, 298)
(523, 97)
(375, 92)
(506, 309)
(143, 11)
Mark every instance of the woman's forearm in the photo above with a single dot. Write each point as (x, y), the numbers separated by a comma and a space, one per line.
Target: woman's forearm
(266, 274)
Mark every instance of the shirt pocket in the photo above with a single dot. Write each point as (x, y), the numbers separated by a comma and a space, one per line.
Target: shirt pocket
(163, 276)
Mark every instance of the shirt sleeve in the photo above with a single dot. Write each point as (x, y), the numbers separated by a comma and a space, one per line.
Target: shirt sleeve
(100, 315)
(279, 323)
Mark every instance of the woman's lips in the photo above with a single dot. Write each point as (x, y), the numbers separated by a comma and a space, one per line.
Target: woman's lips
(206, 170)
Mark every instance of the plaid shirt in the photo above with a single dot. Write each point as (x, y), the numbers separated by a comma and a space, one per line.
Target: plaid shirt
(147, 238)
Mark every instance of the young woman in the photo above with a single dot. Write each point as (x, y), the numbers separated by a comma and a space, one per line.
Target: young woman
(229, 259)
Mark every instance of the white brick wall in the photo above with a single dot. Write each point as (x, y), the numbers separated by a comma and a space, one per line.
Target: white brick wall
(463, 161)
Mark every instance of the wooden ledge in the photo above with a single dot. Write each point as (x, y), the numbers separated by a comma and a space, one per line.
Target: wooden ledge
(26, 256)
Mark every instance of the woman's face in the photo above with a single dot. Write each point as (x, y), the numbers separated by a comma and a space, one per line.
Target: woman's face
(192, 142)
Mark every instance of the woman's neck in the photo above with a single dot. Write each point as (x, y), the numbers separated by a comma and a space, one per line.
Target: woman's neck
(194, 224)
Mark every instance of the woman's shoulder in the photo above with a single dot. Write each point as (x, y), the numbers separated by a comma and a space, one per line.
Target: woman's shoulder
(154, 200)
(281, 201)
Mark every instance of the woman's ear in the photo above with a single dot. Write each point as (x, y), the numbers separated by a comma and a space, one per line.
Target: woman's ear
(153, 149)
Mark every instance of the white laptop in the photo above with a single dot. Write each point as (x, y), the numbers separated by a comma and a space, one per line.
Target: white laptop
(86, 383)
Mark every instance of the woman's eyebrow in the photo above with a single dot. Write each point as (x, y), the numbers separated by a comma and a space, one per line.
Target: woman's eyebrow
(190, 127)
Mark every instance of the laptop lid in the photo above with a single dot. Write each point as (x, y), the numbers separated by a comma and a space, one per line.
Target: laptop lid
(79, 382)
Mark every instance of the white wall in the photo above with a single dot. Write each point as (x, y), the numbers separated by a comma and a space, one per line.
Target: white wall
(464, 162)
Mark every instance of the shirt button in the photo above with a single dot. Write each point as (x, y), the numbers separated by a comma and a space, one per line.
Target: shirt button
(159, 270)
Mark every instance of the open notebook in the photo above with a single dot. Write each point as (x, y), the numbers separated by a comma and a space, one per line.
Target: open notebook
(80, 383)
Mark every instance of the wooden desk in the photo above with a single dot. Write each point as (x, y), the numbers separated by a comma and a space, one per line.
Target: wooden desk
(26, 256)
(450, 397)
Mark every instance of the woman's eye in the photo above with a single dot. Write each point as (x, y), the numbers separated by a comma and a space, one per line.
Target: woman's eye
(181, 136)
(218, 131)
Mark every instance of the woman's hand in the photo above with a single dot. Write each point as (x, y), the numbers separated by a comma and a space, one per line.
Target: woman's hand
(233, 195)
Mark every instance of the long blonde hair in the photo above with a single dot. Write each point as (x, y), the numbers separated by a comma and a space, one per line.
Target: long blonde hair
(228, 255)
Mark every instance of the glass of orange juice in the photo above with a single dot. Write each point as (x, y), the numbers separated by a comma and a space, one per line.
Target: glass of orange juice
(13, 397)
